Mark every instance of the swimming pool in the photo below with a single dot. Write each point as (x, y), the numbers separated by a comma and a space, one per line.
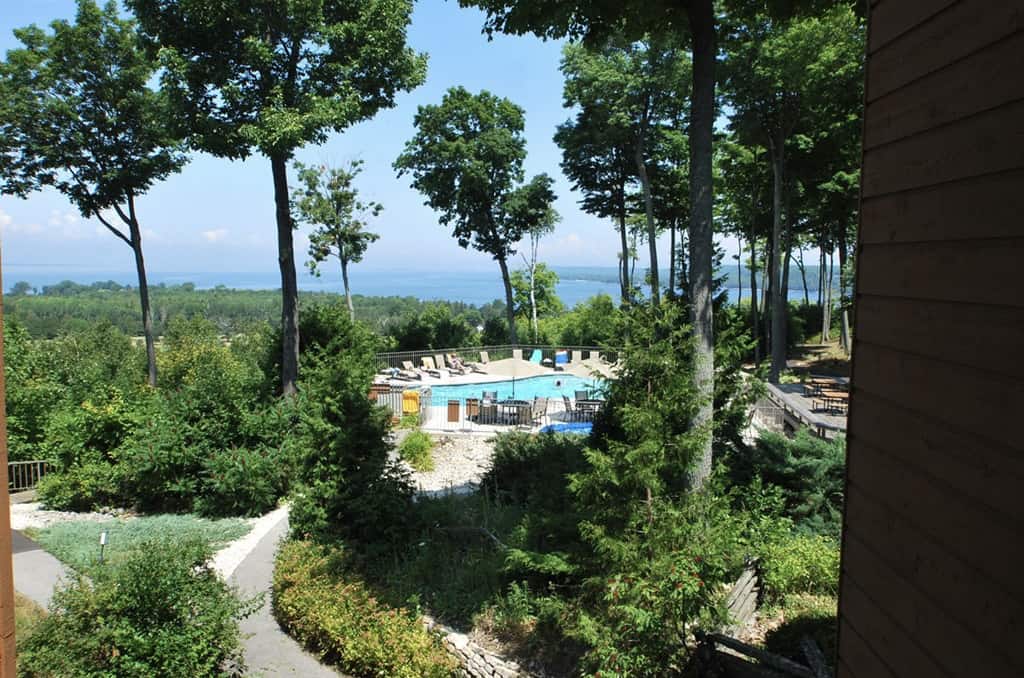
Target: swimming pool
(552, 386)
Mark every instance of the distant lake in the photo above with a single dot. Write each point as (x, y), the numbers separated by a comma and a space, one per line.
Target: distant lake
(475, 287)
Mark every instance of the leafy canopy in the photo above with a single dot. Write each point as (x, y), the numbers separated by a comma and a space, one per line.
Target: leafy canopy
(329, 201)
(274, 75)
(78, 113)
(466, 158)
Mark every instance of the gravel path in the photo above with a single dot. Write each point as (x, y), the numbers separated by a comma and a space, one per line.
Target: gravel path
(30, 514)
(459, 464)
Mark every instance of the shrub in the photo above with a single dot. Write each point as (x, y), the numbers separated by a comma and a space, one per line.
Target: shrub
(347, 487)
(161, 612)
(800, 563)
(161, 469)
(808, 470)
(346, 624)
(241, 483)
(85, 487)
(415, 450)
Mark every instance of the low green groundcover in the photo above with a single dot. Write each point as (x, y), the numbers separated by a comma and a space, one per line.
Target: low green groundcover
(77, 543)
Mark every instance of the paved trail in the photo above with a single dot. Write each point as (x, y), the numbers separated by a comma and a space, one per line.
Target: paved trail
(269, 651)
(36, 572)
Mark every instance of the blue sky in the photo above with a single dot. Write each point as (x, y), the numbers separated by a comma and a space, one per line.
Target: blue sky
(218, 215)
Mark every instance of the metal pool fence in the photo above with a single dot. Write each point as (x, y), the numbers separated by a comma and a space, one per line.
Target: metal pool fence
(471, 354)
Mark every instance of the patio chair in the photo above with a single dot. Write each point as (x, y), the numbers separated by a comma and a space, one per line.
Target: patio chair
(490, 395)
(429, 367)
(569, 410)
(456, 365)
(582, 395)
(577, 356)
(537, 356)
(472, 409)
(539, 410)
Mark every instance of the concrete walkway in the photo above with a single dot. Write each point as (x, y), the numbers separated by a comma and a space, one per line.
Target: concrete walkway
(268, 650)
(36, 572)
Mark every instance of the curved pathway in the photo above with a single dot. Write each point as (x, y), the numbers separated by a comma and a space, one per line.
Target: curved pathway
(269, 651)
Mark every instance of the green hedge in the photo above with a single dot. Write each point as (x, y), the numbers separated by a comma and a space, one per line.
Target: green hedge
(342, 621)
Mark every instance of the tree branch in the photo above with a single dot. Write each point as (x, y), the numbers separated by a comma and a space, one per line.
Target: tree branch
(112, 229)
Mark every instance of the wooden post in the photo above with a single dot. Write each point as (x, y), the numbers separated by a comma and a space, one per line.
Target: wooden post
(7, 657)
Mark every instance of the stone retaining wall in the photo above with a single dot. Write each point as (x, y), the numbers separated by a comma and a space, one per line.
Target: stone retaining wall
(476, 661)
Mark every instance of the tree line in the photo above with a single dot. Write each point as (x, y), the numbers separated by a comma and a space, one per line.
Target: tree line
(645, 83)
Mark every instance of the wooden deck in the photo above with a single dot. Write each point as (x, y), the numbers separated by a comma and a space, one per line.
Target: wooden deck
(798, 410)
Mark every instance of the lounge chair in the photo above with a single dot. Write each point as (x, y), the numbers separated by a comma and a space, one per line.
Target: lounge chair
(582, 395)
(484, 358)
(536, 357)
(410, 371)
(442, 364)
(577, 356)
(490, 395)
(429, 367)
(455, 364)
(517, 353)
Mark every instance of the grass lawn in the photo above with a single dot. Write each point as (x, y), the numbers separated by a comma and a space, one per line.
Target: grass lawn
(26, 616)
(77, 543)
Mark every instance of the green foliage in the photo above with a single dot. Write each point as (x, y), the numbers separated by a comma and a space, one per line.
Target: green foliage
(160, 612)
(331, 204)
(436, 326)
(84, 487)
(467, 159)
(415, 449)
(240, 482)
(545, 283)
(336, 615)
(809, 471)
(76, 542)
(800, 564)
(347, 487)
(593, 322)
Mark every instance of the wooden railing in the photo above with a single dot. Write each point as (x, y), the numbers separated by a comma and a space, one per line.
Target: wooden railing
(24, 475)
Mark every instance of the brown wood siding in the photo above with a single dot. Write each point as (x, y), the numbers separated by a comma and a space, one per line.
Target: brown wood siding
(933, 536)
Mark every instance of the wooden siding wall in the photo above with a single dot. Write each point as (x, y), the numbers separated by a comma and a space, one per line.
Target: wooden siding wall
(933, 540)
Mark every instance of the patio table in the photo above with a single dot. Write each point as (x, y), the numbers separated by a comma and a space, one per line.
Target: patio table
(514, 411)
(589, 407)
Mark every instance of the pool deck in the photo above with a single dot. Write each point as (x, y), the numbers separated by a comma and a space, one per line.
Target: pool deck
(503, 370)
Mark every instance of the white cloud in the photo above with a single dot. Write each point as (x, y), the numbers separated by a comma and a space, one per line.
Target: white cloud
(216, 235)
(9, 227)
(63, 218)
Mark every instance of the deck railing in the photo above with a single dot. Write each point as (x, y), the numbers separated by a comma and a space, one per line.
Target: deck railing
(24, 475)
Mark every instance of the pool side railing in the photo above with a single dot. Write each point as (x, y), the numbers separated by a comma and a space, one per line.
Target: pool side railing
(471, 354)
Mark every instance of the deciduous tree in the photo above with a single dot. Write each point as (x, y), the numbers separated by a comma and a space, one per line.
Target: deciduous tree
(329, 201)
(79, 116)
(467, 159)
(271, 76)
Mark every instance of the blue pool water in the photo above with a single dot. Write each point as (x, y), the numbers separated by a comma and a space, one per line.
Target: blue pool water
(552, 386)
(578, 427)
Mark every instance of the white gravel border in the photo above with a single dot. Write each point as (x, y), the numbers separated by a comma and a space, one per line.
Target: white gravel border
(231, 556)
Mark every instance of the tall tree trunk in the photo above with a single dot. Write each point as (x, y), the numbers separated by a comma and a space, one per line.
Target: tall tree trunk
(684, 268)
(624, 280)
(841, 242)
(289, 286)
(348, 292)
(803, 274)
(821, 272)
(672, 259)
(766, 296)
(510, 311)
(826, 312)
(778, 363)
(533, 299)
(739, 268)
(702, 120)
(754, 321)
(140, 269)
(652, 231)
